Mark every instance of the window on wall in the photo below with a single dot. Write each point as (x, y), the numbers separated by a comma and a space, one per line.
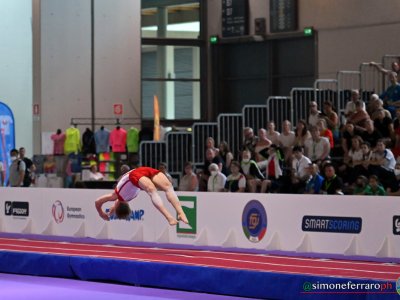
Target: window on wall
(171, 58)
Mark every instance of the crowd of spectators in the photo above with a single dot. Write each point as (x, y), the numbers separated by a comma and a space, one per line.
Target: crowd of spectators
(355, 151)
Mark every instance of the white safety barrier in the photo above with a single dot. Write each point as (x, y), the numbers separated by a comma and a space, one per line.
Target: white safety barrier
(349, 225)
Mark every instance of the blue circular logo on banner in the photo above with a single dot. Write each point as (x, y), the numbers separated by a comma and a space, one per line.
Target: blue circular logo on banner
(254, 221)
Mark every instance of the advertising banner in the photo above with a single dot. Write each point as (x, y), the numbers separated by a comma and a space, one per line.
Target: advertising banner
(7, 136)
(349, 225)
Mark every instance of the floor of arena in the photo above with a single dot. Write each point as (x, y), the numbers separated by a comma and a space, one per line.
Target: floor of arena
(253, 275)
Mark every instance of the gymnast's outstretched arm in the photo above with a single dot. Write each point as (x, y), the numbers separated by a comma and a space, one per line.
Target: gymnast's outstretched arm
(103, 199)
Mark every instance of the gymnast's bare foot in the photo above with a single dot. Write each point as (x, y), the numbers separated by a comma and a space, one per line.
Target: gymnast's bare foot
(182, 217)
(172, 222)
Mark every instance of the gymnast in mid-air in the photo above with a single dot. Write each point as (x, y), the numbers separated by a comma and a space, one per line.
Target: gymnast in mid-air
(129, 186)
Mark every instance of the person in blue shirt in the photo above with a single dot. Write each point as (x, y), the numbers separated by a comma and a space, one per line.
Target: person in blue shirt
(391, 97)
(314, 184)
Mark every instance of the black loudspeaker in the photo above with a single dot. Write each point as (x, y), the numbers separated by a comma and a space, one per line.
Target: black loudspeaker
(260, 26)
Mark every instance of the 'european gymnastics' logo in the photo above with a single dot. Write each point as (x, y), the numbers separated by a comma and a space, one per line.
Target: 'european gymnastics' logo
(398, 285)
(58, 212)
(254, 221)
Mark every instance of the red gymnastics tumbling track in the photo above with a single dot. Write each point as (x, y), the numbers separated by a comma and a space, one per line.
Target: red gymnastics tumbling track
(259, 264)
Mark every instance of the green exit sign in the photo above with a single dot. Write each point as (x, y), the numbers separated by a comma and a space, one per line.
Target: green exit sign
(213, 39)
(308, 31)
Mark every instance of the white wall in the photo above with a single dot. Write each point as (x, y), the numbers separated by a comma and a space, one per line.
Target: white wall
(16, 66)
(65, 62)
(65, 54)
(117, 54)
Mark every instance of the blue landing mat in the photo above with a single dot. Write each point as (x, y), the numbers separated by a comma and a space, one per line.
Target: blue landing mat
(255, 284)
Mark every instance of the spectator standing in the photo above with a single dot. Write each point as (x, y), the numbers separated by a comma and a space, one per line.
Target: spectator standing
(30, 168)
(16, 170)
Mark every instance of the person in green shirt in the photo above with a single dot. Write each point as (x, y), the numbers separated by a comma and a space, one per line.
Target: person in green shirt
(374, 188)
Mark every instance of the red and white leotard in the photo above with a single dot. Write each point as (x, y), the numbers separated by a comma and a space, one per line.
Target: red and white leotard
(128, 186)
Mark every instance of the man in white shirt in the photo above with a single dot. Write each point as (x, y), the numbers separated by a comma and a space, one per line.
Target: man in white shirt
(351, 105)
(314, 115)
(216, 182)
(382, 164)
(300, 174)
(317, 148)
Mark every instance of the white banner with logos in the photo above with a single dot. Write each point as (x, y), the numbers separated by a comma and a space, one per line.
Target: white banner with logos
(350, 225)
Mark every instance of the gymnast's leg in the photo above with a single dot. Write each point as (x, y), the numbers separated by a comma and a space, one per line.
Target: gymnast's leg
(162, 182)
(147, 185)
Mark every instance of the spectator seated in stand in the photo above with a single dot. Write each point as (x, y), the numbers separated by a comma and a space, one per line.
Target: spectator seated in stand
(359, 116)
(189, 181)
(162, 167)
(94, 175)
(314, 114)
(299, 174)
(49, 165)
(391, 97)
(318, 148)
(373, 187)
(249, 141)
(236, 181)
(217, 180)
(301, 133)
(359, 185)
(251, 172)
(273, 171)
(314, 183)
(272, 134)
(226, 157)
(332, 184)
(351, 105)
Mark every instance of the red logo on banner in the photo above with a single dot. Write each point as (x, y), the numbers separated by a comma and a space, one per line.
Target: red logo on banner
(118, 109)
